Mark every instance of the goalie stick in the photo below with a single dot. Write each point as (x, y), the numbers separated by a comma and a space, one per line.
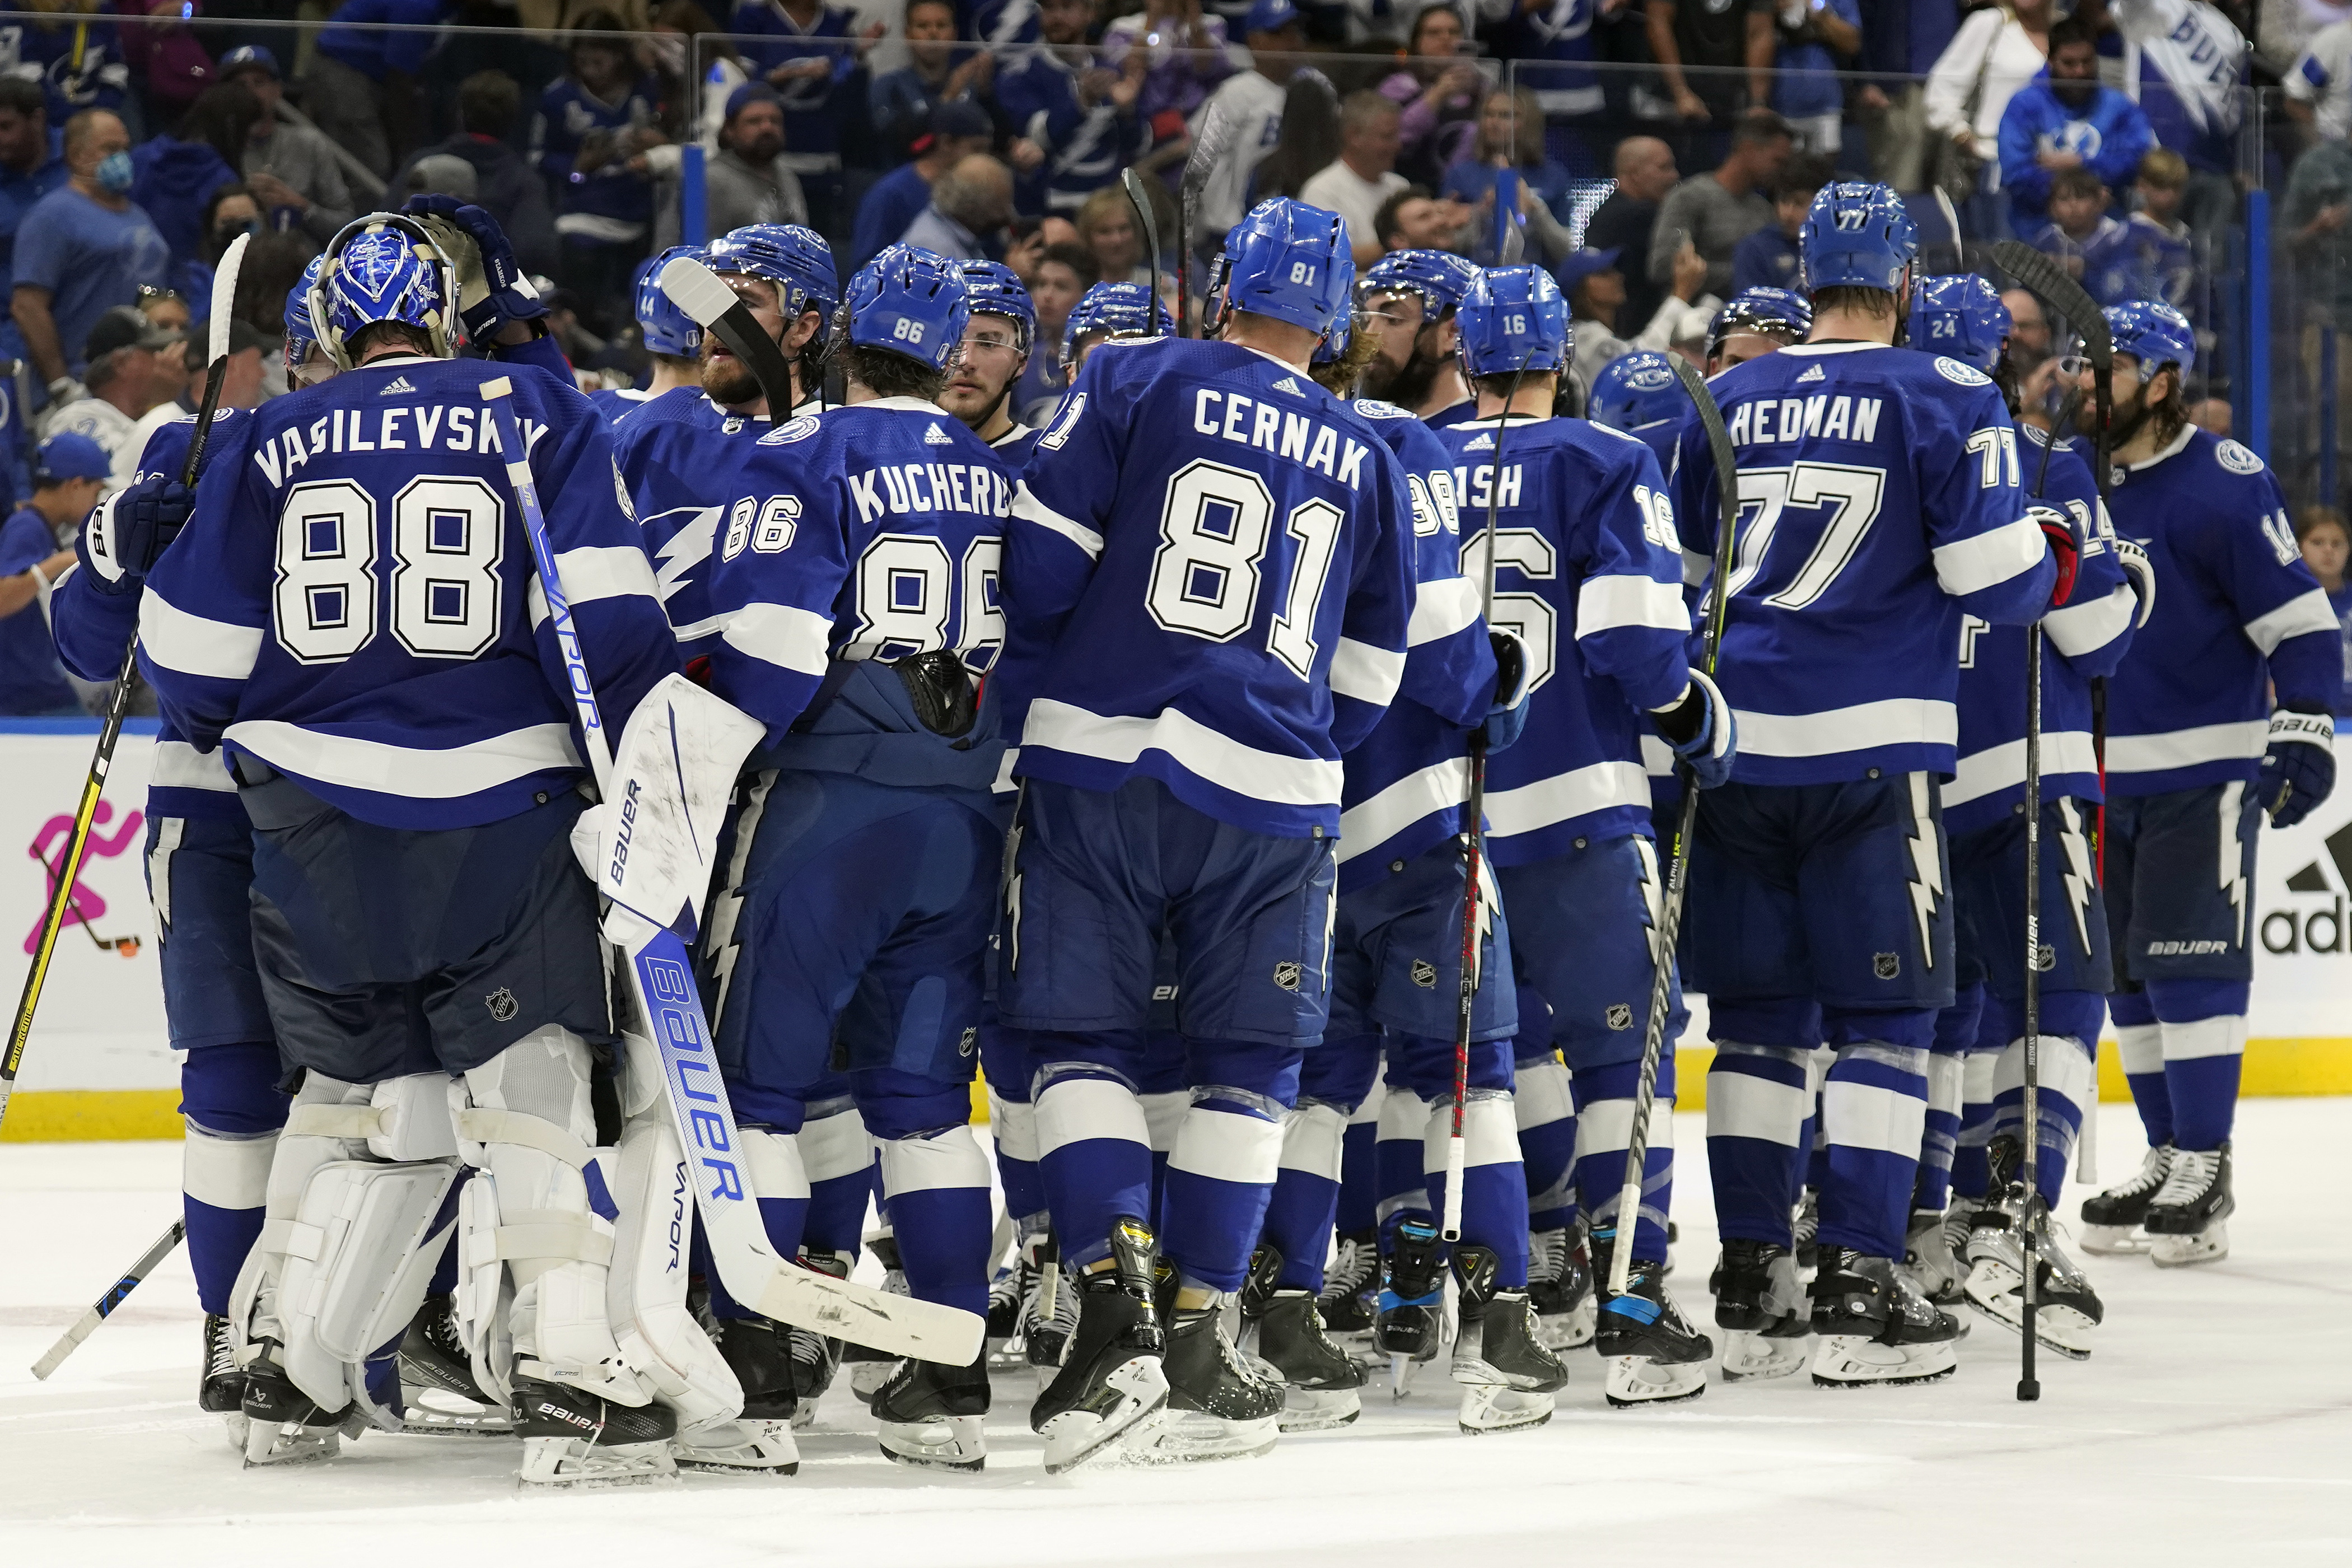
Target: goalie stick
(1670, 908)
(118, 703)
(103, 1308)
(661, 983)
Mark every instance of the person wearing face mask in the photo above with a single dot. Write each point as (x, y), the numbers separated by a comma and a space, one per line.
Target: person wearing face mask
(2068, 120)
(229, 211)
(84, 249)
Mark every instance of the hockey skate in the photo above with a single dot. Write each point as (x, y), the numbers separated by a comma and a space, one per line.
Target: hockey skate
(1219, 1405)
(1112, 1392)
(740, 1448)
(1874, 1326)
(869, 1369)
(758, 1351)
(220, 1385)
(1559, 1282)
(814, 1358)
(2111, 1221)
(2188, 1220)
(1348, 1283)
(283, 1425)
(1760, 1306)
(935, 1417)
(439, 1394)
(2067, 1310)
(575, 1439)
(1509, 1377)
(1653, 1354)
(1008, 1300)
(1321, 1383)
(1409, 1317)
(1051, 1314)
(1934, 1264)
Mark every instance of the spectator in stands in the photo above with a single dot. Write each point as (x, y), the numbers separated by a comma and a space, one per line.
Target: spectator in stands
(1714, 212)
(1073, 116)
(32, 164)
(133, 365)
(1511, 135)
(240, 382)
(901, 101)
(594, 126)
(363, 90)
(488, 104)
(2067, 122)
(290, 169)
(1596, 300)
(1413, 219)
(1815, 39)
(2327, 545)
(1901, 42)
(747, 183)
(1437, 89)
(1996, 51)
(174, 177)
(2319, 86)
(2184, 62)
(76, 58)
(2157, 233)
(1363, 175)
(1185, 57)
(808, 51)
(231, 211)
(66, 478)
(1061, 280)
(1644, 167)
(85, 247)
(1107, 229)
(1767, 258)
(1244, 116)
(2316, 221)
(1729, 46)
(2092, 246)
(958, 131)
(969, 205)
(685, 37)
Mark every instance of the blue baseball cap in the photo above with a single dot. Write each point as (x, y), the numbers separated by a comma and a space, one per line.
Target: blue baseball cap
(69, 455)
(247, 57)
(1270, 17)
(749, 93)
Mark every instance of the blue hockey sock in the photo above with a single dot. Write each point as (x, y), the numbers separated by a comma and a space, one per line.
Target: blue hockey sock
(1359, 1207)
(1093, 1151)
(1399, 1188)
(1494, 1186)
(939, 1212)
(232, 1109)
(1013, 1139)
(838, 1155)
(1971, 1171)
(1228, 1150)
(2139, 1041)
(1758, 1100)
(1874, 1113)
(2066, 1073)
(1546, 1109)
(2203, 1025)
(1298, 1217)
(1955, 1036)
(1604, 1130)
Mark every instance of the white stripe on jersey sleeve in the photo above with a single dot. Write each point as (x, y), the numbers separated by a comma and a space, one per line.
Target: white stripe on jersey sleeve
(1971, 565)
(597, 571)
(2304, 613)
(193, 645)
(1029, 509)
(2238, 742)
(446, 773)
(2089, 627)
(1441, 609)
(1896, 722)
(1221, 760)
(1366, 673)
(1595, 787)
(1368, 824)
(782, 634)
(1997, 768)
(1625, 600)
(179, 765)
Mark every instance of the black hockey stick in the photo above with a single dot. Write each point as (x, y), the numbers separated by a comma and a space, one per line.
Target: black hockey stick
(717, 308)
(103, 1308)
(1670, 908)
(118, 702)
(1141, 200)
(1208, 150)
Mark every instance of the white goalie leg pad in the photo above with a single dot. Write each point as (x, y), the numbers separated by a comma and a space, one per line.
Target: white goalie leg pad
(645, 1288)
(253, 1302)
(524, 1118)
(354, 1256)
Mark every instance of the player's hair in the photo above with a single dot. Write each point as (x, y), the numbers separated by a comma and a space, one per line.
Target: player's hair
(1341, 376)
(2077, 182)
(1499, 383)
(2165, 168)
(2004, 378)
(25, 98)
(376, 334)
(1854, 298)
(888, 374)
(488, 103)
(1384, 221)
(2170, 413)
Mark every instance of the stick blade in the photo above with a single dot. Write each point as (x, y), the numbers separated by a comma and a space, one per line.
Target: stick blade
(224, 276)
(2042, 275)
(696, 290)
(1140, 199)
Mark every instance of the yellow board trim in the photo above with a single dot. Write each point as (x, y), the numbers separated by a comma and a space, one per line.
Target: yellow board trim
(2273, 1068)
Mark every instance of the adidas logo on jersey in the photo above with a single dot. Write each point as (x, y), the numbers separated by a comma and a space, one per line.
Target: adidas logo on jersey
(1290, 385)
(1812, 375)
(1479, 444)
(935, 436)
(399, 383)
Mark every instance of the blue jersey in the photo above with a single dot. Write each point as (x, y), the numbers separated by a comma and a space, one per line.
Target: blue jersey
(1879, 503)
(1015, 447)
(2237, 614)
(2109, 135)
(1551, 47)
(1209, 583)
(812, 124)
(617, 403)
(1085, 146)
(30, 679)
(1454, 414)
(608, 205)
(2086, 638)
(873, 531)
(676, 453)
(1589, 574)
(1407, 780)
(76, 58)
(353, 601)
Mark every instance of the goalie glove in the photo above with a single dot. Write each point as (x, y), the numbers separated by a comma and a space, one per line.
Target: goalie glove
(1507, 717)
(1699, 726)
(491, 288)
(2298, 765)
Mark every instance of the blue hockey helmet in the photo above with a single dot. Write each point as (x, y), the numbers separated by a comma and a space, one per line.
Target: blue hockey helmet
(1439, 277)
(383, 268)
(795, 260)
(301, 334)
(992, 289)
(1857, 235)
(2153, 333)
(1774, 313)
(668, 330)
(909, 301)
(1961, 316)
(1637, 389)
(1514, 318)
(1291, 262)
(1118, 310)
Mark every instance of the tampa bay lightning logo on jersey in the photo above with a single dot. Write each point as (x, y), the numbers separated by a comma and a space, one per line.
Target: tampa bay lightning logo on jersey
(2236, 458)
(374, 261)
(792, 430)
(1960, 374)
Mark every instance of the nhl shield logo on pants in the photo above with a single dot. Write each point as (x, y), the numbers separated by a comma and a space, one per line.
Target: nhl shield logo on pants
(502, 1005)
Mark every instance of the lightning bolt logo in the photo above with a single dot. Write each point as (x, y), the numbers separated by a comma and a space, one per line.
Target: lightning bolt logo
(1927, 868)
(691, 537)
(2232, 876)
(2080, 879)
(722, 943)
(1653, 896)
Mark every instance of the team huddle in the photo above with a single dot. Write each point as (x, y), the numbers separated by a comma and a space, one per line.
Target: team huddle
(1129, 763)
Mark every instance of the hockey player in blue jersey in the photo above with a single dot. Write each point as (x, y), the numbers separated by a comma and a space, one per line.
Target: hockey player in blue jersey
(1413, 294)
(1755, 322)
(853, 595)
(996, 347)
(1105, 312)
(1974, 1243)
(1879, 503)
(403, 746)
(2220, 716)
(1589, 572)
(672, 339)
(1208, 590)
(1639, 395)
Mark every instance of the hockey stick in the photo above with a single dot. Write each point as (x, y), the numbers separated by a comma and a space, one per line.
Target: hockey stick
(1208, 150)
(661, 983)
(118, 703)
(103, 1308)
(1670, 909)
(717, 308)
(1141, 201)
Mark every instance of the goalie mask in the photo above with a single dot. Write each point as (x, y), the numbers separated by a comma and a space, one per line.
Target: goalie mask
(383, 268)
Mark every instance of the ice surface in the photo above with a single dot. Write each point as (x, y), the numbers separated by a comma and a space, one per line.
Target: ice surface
(2213, 1426)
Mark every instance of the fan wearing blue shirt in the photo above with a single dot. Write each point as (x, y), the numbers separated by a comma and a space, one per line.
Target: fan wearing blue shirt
(66, 478)
(2067, 119)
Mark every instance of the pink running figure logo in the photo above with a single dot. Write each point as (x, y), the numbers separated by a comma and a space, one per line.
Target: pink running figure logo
(84, 904)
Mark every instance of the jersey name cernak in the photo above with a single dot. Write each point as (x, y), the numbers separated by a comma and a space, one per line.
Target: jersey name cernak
(444, 428)
(1287, 434)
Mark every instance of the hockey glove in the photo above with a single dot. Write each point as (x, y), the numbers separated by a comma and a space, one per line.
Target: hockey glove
(2065, 537)
(495, 293)
(2298, 765)
(1699, 726)
(2140, 572)
(129, 528)
(1507, 717)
